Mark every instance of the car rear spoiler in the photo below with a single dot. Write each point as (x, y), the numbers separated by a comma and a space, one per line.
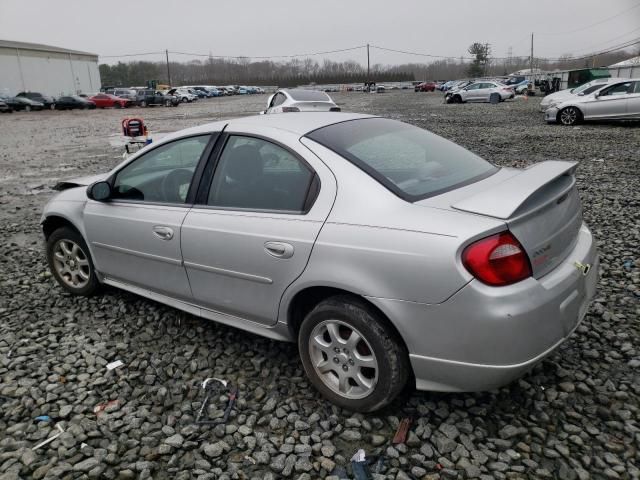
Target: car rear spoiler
(502, 200)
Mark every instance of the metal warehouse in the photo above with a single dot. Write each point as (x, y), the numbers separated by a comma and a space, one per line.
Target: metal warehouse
(46, 69)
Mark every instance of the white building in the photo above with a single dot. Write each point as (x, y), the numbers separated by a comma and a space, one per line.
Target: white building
(47, 70)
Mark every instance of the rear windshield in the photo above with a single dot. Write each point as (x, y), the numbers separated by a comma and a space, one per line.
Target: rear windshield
(308, 96)
(411, 162)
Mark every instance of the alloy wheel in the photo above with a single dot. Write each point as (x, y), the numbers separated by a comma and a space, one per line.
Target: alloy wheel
(569, 116)
(71, 263)
(343, 359)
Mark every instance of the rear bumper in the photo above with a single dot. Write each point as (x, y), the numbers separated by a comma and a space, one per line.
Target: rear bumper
(484, 337)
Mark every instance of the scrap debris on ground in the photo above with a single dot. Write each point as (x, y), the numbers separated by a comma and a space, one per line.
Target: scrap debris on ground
(575, 416)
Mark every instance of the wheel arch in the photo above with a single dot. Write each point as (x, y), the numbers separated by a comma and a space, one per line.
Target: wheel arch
(307, 298)
(53, 222)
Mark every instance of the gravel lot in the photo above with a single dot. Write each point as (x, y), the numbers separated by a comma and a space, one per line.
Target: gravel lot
(575, 416)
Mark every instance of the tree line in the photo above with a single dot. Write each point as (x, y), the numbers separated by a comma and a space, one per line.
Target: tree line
(243, 71)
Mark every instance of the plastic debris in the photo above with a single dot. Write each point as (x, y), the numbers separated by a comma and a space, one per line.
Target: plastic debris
(359, 466)
(101, 407)
(43, 418)
(114, 365)
(50, 439)
(402, 431)
(212, 386)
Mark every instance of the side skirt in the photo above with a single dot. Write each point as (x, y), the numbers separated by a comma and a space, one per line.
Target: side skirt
(278, 332)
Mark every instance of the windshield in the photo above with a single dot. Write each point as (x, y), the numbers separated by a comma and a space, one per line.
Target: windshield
(411, 162)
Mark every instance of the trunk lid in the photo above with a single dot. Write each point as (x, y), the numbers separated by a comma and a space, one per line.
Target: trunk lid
(540, 205)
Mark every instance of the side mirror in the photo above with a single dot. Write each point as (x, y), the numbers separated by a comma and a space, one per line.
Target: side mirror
(596, 95)
(99, 191)
(581, 94)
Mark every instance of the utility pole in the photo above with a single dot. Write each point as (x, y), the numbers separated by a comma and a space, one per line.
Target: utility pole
(168, 69)
(368, 65)
(531, 58)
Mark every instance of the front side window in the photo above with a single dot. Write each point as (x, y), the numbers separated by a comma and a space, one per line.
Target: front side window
(162, 175)
(259, 175)
(615, 90)
(475, 86)
(411, 162)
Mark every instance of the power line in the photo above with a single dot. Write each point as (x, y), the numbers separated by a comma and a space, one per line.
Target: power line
(131, 55)
(593, 24)
(271, 56)
(419, 54)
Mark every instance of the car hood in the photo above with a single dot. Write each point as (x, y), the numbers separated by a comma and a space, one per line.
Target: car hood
(79, 182)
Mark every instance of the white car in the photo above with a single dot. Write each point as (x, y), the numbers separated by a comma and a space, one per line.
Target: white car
(616, 101)
(585, 89)
(300, 100)
(183, 94)
(483, 91)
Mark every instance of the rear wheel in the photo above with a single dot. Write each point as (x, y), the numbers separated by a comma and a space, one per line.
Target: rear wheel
(117, 105)
(52, 106)
(569, 116)
(143, 103)
(494, 98)
(184, 99)
(351, 355)
(70, 262)
(457, 99)
(27, 108)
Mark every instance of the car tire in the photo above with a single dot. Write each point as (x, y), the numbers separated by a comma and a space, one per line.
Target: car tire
(70, 262)
(457, 99)
(143, 103)
(569, 116)
(52, 106)
(27, 108)
(351, 355)
(494, 98)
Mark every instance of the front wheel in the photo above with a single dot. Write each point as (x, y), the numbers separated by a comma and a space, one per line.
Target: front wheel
(27, 108)
(70, 262)
(143, 103)
(351, 355)
(569, 116)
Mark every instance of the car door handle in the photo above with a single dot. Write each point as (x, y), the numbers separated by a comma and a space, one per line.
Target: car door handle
(163, 233)
(279, 249)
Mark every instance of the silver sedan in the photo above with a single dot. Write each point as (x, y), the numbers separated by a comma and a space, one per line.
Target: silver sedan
(300, 100)
(481, 91)
(617, 101)
(389, 254)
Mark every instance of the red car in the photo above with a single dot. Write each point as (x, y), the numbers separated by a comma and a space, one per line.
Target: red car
(103, 100)
(425, 87)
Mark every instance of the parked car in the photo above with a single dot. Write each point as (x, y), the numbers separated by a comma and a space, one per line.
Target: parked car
(214, 92)
(105, 100)
(46, 100)
(182, 95)
(585, 89)
(72, 102)
(483, 91)
(300, 100)
(387, 253)
(127, 93)
(4, 107)
(152, 98)
(425, 87)
(23, 104)
(616, 101)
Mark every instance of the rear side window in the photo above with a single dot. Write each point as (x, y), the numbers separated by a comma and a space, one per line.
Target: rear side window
(259, 175)
(308, 96)
(411, 162)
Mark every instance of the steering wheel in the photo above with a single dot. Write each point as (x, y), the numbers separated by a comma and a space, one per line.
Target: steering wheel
(172, 183)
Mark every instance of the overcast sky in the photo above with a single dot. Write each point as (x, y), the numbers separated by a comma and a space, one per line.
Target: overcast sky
(286, 27)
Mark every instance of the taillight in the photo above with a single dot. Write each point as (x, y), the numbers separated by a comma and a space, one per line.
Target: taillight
(290, 109)
(497, 260)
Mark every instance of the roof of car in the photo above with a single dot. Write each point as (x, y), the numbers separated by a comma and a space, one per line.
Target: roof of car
(299, 123)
